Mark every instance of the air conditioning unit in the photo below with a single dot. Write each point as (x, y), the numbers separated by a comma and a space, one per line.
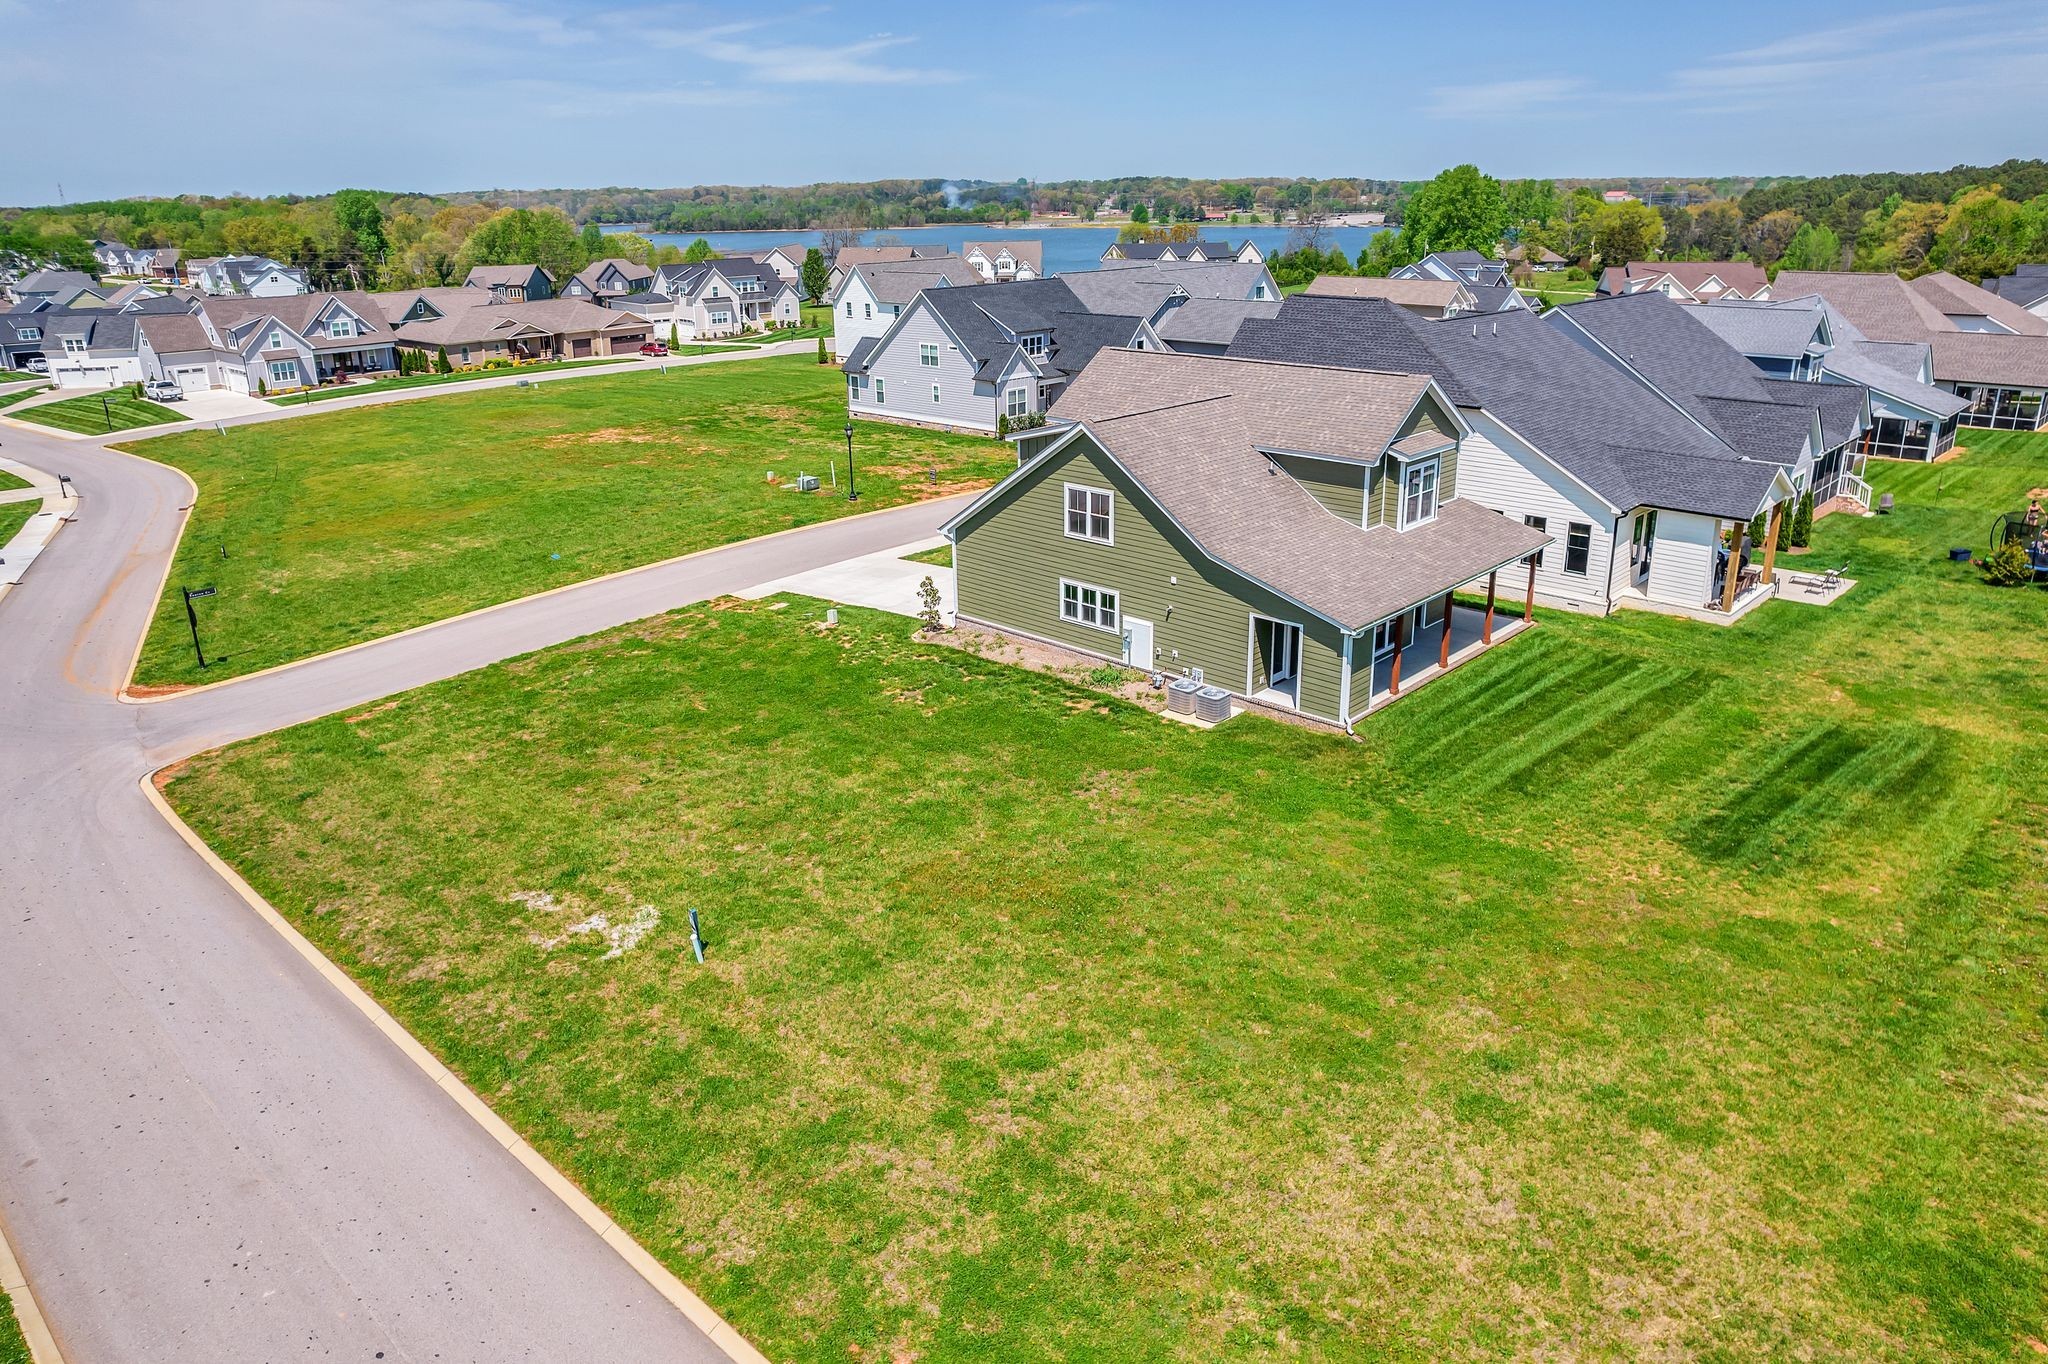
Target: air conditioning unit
(1212, 704)
(1180, 696)
(807, 483)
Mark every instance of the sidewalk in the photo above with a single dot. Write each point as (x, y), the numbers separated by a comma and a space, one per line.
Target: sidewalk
(28, 542)
(268, 411)
(885, 581)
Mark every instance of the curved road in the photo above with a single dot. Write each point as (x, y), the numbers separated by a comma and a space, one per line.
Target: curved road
(206, 1153)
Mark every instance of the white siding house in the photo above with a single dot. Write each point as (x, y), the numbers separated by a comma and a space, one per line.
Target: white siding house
(924, 375)
(1526, 487)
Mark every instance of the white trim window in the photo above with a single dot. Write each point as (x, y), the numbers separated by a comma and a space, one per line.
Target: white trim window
(881, 390)
(340, 326)
(284, 371)
(31, 333)
(1016, 402)
(1091, 514)
(928, 354)
(1086, 604)
(276, 340)
(853, 388)
(1034, 344)
(849, 307)
(935, 395)
(74, 345)
(1418, 493)
(1578, 547)
(1541, 525)
(867, 311)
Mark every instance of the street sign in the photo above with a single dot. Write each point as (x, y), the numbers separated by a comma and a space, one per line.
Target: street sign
(201, 591)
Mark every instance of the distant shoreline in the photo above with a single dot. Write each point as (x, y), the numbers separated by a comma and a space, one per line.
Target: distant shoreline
(1049, 225)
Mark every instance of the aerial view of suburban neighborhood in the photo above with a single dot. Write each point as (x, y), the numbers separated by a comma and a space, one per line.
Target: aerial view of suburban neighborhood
(1380, 696)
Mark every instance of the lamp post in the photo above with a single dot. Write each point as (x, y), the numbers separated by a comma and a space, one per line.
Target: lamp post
(852, 492)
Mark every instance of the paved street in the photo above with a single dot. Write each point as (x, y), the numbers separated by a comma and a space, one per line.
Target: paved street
(206, 1153)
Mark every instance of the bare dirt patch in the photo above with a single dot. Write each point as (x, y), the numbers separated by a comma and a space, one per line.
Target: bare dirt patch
(606, 435)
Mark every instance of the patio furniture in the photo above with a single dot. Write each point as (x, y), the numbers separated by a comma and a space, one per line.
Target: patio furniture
(1884, 504)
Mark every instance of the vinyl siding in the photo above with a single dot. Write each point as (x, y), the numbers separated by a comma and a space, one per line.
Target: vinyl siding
(1682, 565)
(1498, 471)
(909, 383)
(1013, 554)
(1340, 487)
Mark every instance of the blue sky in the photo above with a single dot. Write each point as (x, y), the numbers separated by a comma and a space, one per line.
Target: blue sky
(312, 95)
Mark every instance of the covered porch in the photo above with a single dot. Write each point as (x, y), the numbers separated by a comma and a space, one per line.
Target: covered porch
(1431, 638)
(348, 364)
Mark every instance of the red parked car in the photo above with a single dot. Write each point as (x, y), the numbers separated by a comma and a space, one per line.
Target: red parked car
(654, 348)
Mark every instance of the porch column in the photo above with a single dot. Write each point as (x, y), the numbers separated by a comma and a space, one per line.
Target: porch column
(1486, 634)
(1529, 601)
(1400, 645)
(1771, 543)
(1443, 646)
(1734, 566)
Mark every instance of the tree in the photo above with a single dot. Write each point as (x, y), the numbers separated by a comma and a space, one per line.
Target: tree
(816, 276)
(1626, 231)
(526, 236)
(824, 356)
(1141, 213)
(699, 250)
(2009, 566)
(1769, 236)
(1985, 234)
(837, 237)
(1716, 228)
(1813, 248)
(1384, 253)
(357, 214)
(1896, 237)
(1802, 520)
(1133, 232)
(928, 606)
(674, 338)
(441, 365)
(592, 240)
(1460, 210)
(1759, 527)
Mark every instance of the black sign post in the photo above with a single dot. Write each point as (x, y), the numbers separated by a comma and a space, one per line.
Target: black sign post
(192, 616)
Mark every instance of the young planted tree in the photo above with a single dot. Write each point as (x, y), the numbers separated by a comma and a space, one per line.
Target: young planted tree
(928, 615)
(824, 356)
(441, 365)
(2006, 566)
(1758, 529)
(674, 339)
(1802, 521)
(816, 276)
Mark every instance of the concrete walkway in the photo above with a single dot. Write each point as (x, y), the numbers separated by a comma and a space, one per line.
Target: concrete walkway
(207, 1151)
(36, 533)
(886, 581)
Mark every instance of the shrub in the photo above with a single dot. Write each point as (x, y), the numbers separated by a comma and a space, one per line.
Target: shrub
(1002, 425)
(1784, 533)
(2009, 566)
(1802, 521)
(824, 356)
(441, 365)
(262, 388)
(1758, 529)
(928, 606)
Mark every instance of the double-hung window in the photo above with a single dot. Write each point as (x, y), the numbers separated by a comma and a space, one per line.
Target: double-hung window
(881, 390)
(935, 394)
(74, 345)
(1016, 402)
(1418, 493)
(31, 333)
(1034, 344)
(340, 326)
(1538, 523)
(928, 354)
(276, 340)
(1088, 514)
(284, 371)
(849, 307)
(853, 388)
(1083, 604)
(1578, 547)
(867, 310)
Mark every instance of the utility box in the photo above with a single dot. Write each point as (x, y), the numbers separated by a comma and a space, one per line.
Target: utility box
(1180, 696)
(1212, 704)
(807, 483)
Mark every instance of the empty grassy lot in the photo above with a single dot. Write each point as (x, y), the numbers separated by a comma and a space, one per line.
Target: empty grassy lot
(320, 395)
(343, 526)
(1644, 990)
(115, 409)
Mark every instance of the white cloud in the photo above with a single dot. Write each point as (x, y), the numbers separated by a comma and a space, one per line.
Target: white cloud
(1503, 98)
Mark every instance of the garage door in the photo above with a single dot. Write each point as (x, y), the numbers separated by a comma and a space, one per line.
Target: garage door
(238, 379)
(580, 346)
(191, 379)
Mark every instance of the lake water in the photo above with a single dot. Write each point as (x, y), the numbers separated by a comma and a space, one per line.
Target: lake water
(1066, 248)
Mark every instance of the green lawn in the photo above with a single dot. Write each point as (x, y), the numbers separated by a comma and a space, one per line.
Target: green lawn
(942, 555)
(429, 380)
(348, 525)
(11, 483)
(15, 515)
(115, 409)
(15, 376)
(13, 1346)
(10, 399)
(1643, 990)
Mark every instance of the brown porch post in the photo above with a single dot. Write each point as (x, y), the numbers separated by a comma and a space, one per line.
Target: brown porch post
(1529, 601)
(1443, 646)
(1771, 543)
(1734, 567)
(1400, 644)
(1486, 635)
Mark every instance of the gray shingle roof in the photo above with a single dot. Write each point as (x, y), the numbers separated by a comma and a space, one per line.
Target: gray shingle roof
(1191, 429)
(1210, 321)
(857, 358)
(1584, 414)
(2026, 285)
(1028, 306)
(1960, 298)
(1780, 332)
(1841, 406)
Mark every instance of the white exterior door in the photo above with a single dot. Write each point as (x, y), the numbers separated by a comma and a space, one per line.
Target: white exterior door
(190, 379)
(1137, 642)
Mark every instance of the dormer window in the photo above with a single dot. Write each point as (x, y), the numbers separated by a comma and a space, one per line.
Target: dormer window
(1034, 344)
(276, 341)
(31, 333)
(1418, 493)
(340, 326)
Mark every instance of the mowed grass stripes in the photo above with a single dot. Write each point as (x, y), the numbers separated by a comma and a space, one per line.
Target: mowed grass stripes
(1641, 990)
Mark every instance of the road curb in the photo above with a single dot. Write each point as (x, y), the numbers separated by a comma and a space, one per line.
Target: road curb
(700, 1313)
(125, 695)
(35, 1328)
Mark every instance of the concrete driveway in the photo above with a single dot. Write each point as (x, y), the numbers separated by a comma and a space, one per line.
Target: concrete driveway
(207, 1153)
(886, 581)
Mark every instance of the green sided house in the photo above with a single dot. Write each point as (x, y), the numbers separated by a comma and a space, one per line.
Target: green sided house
(1290, 533)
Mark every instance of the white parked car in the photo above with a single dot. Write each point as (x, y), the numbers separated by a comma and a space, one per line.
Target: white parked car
(36, 364)
(162, 391)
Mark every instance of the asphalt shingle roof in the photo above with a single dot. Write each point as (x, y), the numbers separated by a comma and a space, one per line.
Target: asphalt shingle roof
(1191, 430)
(1581, 412)
(1780, 332)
